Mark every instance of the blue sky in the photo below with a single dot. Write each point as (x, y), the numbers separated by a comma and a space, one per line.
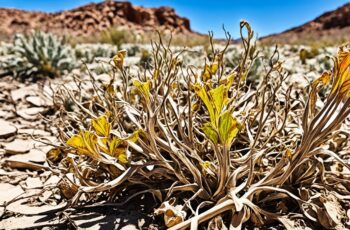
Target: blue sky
(265, 16)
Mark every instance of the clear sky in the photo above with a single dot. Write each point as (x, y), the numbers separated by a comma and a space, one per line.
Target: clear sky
(265, 16)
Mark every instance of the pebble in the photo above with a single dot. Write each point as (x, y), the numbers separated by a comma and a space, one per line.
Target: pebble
(7, 129)
(30, 113)
(38, 101)
(18, 146)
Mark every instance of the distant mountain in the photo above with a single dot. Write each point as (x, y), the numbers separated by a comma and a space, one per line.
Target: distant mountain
(93, 18)
(330, 27)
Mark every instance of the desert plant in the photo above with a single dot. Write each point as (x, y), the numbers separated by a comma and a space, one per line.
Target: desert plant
(38, 54)
(87, 53)
(115, 36)
(208, 145)
(305, 54)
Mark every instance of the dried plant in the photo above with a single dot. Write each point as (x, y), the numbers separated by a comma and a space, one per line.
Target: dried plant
(211, 148)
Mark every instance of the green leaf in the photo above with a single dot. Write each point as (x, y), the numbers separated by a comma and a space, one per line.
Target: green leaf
(210, 132)
(228, 128)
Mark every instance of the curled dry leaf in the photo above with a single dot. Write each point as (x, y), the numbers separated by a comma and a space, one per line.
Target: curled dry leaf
(173, 214)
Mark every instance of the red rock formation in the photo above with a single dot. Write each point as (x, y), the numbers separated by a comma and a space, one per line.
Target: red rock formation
(93, 18)
(333, 25)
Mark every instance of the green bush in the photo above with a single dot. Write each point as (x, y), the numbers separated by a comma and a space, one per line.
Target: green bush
(115, 36)
(38, 55)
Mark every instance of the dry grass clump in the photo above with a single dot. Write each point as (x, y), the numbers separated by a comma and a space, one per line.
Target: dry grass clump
(212, 149)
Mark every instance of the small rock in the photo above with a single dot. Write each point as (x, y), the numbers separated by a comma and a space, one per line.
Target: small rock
(33, 182)
(34, 155)
(30, 113)
(18, 146)
(38, 101)
(9, 192)
(6, 114)
(21, 92)
(35, 132)
(7, 129)
(52, 180)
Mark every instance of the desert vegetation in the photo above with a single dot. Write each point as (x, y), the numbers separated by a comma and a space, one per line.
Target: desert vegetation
(201, 137)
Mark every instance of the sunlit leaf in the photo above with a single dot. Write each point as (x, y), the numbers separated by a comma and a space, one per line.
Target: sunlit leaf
(118, 59)
(110, 89)
(211, 133)
(341, 70)
(156, 74)
(205, 164)
(288, 153)
(202, 93)
(54, 155)
(122, 158)
(85, 143)
(206, 75)
(344, 58)
(324, 79)
(101, 126)
(214, 67)
(228, 128)
(143, 87)
(117, 146)
(228, 80)
(345, 87)
(218, 96)
(133, 137)
(76, 141)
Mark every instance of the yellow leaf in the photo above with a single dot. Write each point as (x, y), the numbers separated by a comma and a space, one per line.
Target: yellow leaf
(218, 96)
(206, 75)
(228, 128)
(345, 87)
(344, 58)
(113, 145)
(195, 106)
(144, 88)
(324, 80)
(133, 137)
(288, 153)
(228, 80)
(205, 164)
(76, 141)
(119, 59)
(342, 69)
(122, 158)
(110, 89)
(85, 143)
(103, 145)
(214, 67)
(210, 132)
(156, 74)
(108, 114)
(202, 93)
(118, 146)
(54, 155)
(101, 126)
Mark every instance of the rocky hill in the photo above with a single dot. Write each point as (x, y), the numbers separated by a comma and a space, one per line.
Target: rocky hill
(93, 18)
(332, 26)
